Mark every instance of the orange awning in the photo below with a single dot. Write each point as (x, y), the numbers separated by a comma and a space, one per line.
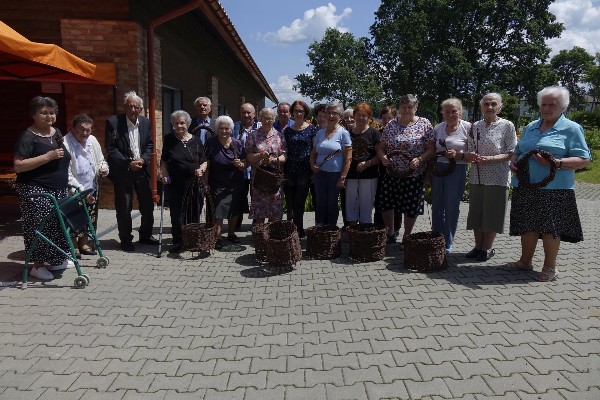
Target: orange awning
(22, 59)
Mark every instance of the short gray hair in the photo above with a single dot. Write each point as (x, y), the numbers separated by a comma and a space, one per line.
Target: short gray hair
(133, 95)
(561, 92)
(265, 110)
(452, 102)
(349, 111)
(336, 105)
(224, 119)
(409, 99)
(203, 98)
(180, 113)
(492, 94)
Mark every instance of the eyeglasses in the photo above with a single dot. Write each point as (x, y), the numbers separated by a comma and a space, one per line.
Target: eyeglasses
(332, 113)
(299, 111)
(268, 119)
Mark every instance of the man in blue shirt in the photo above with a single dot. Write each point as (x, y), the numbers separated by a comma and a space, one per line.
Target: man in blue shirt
(203, 107)
(283, 117)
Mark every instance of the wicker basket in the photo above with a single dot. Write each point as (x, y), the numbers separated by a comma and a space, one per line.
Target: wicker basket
(523, 169)
(396, 173)
(425, 251)
(323, 242)
(268, 179)
(432, 165)
(259, 238)
(283, 244)
(367, 242)
(198, 237)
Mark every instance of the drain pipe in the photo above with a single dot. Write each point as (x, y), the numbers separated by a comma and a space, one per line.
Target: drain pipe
(152, 80)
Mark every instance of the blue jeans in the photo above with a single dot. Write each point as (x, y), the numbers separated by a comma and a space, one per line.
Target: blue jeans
(446, 194)
(327, 198)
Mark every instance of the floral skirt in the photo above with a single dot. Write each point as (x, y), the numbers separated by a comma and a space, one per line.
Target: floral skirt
(547, 211)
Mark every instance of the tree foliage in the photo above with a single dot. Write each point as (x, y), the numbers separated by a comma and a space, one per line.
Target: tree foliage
(571, 67)
(592, 77)
(442, 48)
(341, 70)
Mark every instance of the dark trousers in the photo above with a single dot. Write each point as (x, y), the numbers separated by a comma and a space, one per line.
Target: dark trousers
(127, 182)
(244, 208)
(182, 210)
(327, 198)
(296, 192)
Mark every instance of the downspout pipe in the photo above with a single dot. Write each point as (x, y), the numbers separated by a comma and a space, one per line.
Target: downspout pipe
(152, 80)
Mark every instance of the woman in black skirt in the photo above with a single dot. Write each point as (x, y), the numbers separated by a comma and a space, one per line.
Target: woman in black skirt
(549, 212)
(41, 162)
(183, 160)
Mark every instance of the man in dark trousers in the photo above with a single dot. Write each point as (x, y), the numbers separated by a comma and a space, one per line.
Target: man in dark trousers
(129, 149)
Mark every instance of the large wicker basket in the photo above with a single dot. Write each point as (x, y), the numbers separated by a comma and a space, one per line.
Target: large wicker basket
(283, 244)
(268, 179)
(323, 242)
(198, 237)
(259, 238)
(367, 242)
(425, 251)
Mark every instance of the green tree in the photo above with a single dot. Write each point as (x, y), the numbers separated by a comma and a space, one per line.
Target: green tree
(571, 67)
(443, 48)
(341, 70)
(592, 77)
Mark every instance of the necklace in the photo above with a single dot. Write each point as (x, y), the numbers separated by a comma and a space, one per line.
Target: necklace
(49, 137)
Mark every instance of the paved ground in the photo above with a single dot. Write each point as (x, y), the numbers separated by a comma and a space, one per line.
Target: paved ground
(221, 327)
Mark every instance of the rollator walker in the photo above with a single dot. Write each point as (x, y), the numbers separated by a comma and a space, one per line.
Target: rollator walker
(73, 217)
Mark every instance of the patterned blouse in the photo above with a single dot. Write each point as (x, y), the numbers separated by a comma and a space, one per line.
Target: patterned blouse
(299, 145)
(411, 140)
(273, 142)
(499, 138)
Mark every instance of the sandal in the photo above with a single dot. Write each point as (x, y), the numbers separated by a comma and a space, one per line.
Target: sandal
(548, 274)
(517, 266)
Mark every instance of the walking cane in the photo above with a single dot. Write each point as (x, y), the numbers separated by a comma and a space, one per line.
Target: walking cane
(162, 209)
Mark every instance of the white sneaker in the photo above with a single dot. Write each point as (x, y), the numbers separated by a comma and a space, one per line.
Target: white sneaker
(65, 265)
(41, 273)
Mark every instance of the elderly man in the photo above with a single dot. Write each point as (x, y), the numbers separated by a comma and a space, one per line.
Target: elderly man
(129, 149)
(241, 130)
(283, 117)
(203, 107)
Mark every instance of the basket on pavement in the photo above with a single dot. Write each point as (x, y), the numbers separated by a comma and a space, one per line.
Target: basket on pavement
(283, 244)
(367, 242)
(259, 238)
(323, 242)
(198, 237)
(425, 251)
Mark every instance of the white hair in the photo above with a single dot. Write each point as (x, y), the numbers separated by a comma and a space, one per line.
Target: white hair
(133, 95)
(335, 105)
(348, 111)
(180, 113)
(492, 94)
(226, 119)
(266, 110)
(203, 98)
(561, 92)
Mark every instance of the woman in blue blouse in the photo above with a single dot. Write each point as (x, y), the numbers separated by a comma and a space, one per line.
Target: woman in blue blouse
(299, 139)
(549, 212)
(330, 161)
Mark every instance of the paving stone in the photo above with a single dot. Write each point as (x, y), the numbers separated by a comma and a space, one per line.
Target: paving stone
(419, 389)
(295, 378)
(210, 382)
(314, 378)
(501, 385)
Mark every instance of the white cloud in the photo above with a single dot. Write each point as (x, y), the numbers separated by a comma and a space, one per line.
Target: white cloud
(581, 19)
(284, 91)
(311, 27)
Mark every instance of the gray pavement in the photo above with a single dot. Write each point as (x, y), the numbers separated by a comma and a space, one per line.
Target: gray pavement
(222, 327)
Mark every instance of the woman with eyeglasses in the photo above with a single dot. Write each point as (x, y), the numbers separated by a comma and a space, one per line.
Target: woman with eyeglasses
(298, 174)
(330, 161)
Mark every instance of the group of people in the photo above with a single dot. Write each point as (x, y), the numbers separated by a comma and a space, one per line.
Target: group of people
(380, 174)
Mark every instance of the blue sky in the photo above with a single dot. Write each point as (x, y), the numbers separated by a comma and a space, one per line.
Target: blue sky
(277, 33)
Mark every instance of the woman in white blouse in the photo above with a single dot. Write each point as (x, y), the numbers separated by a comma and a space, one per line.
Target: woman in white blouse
(87, 165)
(447, 191)
(489, 147)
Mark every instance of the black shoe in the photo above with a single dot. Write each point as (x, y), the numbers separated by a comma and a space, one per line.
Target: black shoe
(127, 246)
(473, 253)
(219, 245)
(485, 255)
(301, 233)
(391, 239)
(150, 240)
(175, 248)
(233, 239)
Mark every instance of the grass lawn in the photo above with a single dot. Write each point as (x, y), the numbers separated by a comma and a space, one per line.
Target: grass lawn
(592, 173)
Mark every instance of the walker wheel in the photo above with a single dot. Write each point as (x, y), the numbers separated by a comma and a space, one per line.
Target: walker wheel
(102, 262)
(87, 279)
(80, 282)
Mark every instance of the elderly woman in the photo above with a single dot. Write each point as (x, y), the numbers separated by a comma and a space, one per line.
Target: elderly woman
(387, 114)
(361, 181)
(227, 162)
(41, 162)
(347, 120)
(413, 136)
(183, 160)
(265, 146)
(548, 212)
(447, 191)
(298, 138)
(489, 147)
(330, 161)
(86, 167)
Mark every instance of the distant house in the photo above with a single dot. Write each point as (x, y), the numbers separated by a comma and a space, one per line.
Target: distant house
(197, 53)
